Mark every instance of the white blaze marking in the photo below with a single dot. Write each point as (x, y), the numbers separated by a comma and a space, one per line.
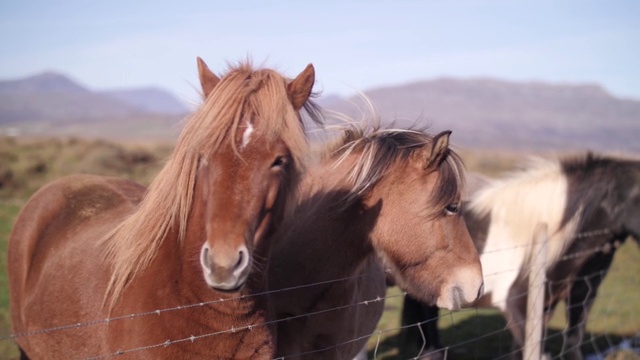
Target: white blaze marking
(247, 134)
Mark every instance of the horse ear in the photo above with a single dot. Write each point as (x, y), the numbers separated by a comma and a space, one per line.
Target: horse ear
(438, 150)
(300, 88)
(208, 80)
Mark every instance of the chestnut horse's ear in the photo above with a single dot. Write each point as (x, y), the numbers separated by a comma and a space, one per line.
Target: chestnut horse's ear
(300, 88)
(438, 150)
(208, 80)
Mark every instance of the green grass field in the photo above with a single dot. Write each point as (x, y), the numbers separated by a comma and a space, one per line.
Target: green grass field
(27, 165)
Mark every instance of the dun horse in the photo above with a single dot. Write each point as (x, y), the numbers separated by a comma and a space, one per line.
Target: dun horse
(86, 248)
(377, 200)
(590, 204)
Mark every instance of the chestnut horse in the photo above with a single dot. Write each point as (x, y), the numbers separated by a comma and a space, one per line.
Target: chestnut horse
(86, 248)
(590, 203)
(378, 199)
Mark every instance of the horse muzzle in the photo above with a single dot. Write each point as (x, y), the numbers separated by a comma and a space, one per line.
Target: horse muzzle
(225, 269)
(464, 286)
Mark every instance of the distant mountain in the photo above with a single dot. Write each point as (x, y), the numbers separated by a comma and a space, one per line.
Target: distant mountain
(149, 99)
(483, 113)
(47, 82)
(499, 114)
(51, 103)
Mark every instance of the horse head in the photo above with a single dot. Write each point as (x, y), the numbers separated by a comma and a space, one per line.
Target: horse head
(242, 188)
(412, 182)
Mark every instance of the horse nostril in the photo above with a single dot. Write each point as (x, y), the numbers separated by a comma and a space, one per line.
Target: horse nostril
(243, 261)
(480, 291)
(241, 256)
(204, 258)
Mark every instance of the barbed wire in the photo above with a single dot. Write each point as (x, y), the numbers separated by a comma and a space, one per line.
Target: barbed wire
(201, 304)
(176, 308)
(247, 327)
(379, 333)
(484, 335)
(192, 338)
(590, 339)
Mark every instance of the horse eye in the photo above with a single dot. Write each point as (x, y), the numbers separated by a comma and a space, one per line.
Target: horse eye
(280, 161)
(452, 209)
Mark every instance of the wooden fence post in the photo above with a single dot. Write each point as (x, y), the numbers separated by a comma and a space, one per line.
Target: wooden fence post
(535, 296)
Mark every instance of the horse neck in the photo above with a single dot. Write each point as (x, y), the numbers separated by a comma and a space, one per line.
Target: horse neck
(175, 278)
(336, 236)
(346, 242)
(592, 236)
(191, 307)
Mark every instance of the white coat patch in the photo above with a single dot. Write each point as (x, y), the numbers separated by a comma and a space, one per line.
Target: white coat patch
(246, 137)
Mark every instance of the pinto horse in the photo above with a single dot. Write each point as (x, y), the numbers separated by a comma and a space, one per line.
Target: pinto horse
(87, 247)
(590, 203)
(378, 199)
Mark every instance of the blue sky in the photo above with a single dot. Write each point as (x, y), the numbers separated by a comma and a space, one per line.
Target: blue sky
(354, 45)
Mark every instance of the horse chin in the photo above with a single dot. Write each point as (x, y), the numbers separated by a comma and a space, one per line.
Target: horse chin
(228, 290)
(226, 286)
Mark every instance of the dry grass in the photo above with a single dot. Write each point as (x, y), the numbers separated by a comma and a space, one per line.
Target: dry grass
(26, 165)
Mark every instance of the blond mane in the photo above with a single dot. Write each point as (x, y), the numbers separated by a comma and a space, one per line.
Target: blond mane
(243, 92)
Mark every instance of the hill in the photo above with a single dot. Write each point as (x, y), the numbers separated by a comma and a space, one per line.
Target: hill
(490, 113)
(483, 113)
(53, 104)
(151, 99)
(45, 82)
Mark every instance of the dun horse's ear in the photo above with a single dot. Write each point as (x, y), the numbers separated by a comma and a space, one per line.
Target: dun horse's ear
(300, 88)
(438, 150)
(208, 80)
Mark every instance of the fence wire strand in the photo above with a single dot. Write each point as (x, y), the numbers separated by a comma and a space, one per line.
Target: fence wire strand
(377, 333)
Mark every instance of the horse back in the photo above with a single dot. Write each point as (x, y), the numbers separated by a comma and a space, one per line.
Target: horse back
(56, 268)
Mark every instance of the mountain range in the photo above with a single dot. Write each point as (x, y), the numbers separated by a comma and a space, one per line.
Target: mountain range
(482, 112)
(53, 104)
(490, 113)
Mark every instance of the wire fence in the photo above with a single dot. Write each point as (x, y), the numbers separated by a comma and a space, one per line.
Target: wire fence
(600, 344)
(382, 333)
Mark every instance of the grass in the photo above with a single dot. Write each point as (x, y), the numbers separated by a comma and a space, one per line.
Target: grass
(26, 165)
(8, 212)
(482, 334)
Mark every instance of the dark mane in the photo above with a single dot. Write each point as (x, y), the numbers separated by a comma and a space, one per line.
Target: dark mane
(379, 149)
(595, 180)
